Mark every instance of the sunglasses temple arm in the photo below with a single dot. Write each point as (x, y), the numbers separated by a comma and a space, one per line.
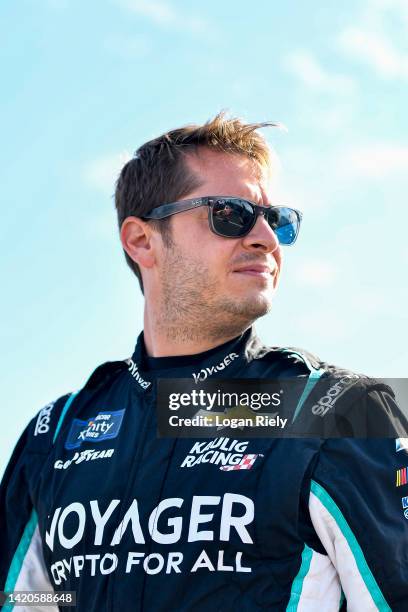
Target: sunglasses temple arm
(170, 209)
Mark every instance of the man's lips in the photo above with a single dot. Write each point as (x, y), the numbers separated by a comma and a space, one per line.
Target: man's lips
(259, 270)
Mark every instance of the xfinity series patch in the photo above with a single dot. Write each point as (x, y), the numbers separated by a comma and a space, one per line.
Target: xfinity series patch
(104, 426)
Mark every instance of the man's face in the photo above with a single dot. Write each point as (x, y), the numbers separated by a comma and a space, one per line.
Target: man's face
(220, 282)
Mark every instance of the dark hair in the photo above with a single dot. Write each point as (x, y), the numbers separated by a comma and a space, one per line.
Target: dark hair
(158, 173)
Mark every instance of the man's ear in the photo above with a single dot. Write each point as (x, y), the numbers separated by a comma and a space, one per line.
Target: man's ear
(136, 237)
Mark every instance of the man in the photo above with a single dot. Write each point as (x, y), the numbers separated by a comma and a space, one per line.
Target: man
(94, 502)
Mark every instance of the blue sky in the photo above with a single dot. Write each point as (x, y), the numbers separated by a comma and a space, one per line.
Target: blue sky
(84, 84)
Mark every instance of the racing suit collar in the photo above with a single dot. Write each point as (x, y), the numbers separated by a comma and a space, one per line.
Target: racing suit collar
(222, 361)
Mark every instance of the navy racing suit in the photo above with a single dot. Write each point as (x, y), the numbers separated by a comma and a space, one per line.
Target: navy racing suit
(94, 502)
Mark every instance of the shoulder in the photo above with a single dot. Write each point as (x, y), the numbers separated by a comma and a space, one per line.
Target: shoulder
(297, 355)
(337, 400)
(40, 430)
(316, 365)
(289, 358)
(344, 403)
(43, 428)
(105, 374)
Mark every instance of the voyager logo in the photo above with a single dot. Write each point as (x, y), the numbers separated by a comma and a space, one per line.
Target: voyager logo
(228, 454)
(327, 401)
(104, 426)
(206, 518)
(43, 421)
(234, 512)
(206, 372)
(133, 369)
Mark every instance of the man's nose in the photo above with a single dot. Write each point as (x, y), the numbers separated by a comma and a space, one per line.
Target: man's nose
(261, 237)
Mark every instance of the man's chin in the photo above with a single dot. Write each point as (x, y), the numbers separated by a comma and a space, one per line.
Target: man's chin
(261, 298)
(250, 307)
(259, 306)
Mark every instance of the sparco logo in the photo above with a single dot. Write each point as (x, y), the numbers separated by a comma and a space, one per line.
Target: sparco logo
(228, 454)
(43, 420)
(205, 372)
(86, 455)
(327, 401)
(133, 369)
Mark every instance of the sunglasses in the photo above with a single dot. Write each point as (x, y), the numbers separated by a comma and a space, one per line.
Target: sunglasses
(235, 217)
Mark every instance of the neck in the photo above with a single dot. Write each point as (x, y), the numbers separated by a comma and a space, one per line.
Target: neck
(183, 337)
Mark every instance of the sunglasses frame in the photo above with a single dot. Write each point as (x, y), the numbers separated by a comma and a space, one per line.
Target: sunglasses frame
(167, 210)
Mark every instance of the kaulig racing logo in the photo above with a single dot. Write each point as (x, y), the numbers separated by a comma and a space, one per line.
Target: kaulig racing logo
(205, 372)
(337, 390)
(226, 453)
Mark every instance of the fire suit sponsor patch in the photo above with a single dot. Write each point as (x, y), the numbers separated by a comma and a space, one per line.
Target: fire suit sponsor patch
(134, 370)
(205, 372)
(226, 453)
(327, 402)
(246, 463)
(404, 501)
(401, 477)
(100, 526)
(42, 424)
(401, 444)
(104, 426)
(85, 455)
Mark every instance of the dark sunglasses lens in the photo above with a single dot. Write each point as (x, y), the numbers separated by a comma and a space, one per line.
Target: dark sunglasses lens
(285, 223)
(232, 218)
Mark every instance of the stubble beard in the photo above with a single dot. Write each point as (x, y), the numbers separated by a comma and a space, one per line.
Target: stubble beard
(192, 306)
